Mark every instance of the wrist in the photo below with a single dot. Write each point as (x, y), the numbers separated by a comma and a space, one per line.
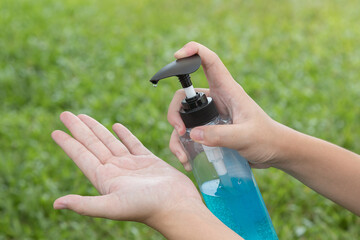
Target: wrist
(285, 144)
(190, 220)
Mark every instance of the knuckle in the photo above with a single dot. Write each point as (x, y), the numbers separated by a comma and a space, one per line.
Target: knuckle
(214, 58)
(109, 140)
(174, 148)
(80, 209)
(91, 141)
(171, 145)
(213, 136)
(214, 54)
(183, 158)
(175, 106)
(170, 117)
(81, 154)
(216, 140)
(192, 43)
(137, 145)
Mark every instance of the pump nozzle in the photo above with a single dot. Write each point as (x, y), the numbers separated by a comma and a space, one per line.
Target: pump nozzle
(197, 109)
(180, 68)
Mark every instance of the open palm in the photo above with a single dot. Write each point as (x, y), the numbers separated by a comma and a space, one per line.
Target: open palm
(134, 184)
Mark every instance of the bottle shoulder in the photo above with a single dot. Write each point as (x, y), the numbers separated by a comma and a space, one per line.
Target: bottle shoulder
(219, 120)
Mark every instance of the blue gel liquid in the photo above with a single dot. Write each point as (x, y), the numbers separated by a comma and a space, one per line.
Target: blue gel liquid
(241, 209)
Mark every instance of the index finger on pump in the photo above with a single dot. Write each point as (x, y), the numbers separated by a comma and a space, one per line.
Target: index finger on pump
(214, 68)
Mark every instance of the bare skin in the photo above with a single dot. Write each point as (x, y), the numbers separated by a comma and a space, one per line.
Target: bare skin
(136, 185)
(330, 170)
(133, 183)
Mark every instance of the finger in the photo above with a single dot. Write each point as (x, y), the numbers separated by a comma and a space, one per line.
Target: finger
(94, 206)
(215, 71)
(218, 135)
(174, 107)
(177, 149)
(188, 167)
(84, 135)
(104, 135)
(173, 115)
(82, 157)
(129, 140)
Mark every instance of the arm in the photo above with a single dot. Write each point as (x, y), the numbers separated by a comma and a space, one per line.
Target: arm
(328, 169)
(133, 183)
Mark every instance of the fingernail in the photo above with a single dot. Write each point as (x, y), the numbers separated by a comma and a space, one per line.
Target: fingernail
(197, 134)
(181, 52)
(188, 166)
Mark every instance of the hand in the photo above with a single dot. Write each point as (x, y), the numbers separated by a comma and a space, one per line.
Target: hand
(252, 132)
(324, 167)
(134, 184)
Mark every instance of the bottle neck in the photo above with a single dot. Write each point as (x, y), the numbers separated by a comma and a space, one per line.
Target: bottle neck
(199, 111)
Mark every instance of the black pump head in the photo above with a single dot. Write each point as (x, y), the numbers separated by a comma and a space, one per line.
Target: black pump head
(197, 109)
(180, 68)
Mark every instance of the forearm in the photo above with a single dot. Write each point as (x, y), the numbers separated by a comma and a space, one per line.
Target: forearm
(328, 169)
(195, 223)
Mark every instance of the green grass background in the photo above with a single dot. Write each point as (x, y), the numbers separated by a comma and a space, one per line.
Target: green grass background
(299, 60)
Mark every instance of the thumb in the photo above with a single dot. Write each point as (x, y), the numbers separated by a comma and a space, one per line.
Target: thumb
(94, 206)
(216, 135)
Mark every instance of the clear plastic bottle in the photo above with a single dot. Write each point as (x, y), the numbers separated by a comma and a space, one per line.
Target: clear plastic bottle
(229, 188)
(224, 177)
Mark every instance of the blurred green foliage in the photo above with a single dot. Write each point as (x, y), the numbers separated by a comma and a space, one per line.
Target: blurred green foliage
(299, 60)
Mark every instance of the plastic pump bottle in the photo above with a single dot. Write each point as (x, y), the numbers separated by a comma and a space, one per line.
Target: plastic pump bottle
(224, 177)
